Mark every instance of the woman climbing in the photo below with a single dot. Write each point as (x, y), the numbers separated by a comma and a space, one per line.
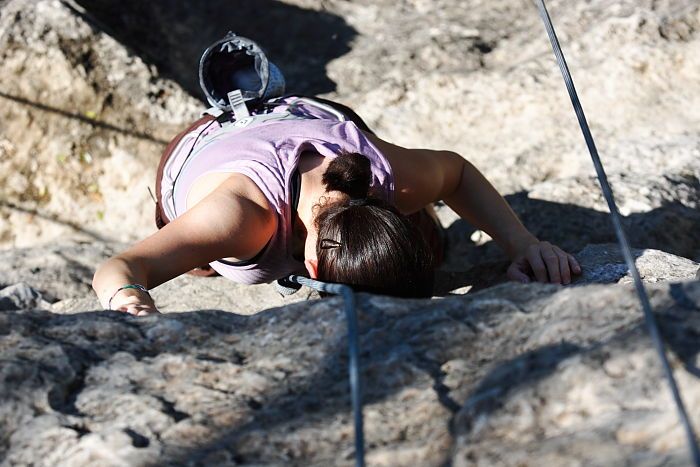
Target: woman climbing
(306, 186)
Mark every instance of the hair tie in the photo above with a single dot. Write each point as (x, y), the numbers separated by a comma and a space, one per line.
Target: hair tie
(357, 202)
(327, 244)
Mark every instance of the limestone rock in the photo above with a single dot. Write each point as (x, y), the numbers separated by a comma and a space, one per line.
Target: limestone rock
(604, 264)
(597, 402)
(659, 212)
(600, 264)
(82, 124)
(92, 88)
(57, 271)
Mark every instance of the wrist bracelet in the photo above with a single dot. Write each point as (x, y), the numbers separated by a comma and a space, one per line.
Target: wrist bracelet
(128, 286)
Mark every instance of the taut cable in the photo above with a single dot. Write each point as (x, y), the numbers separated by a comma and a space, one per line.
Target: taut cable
(652, 326)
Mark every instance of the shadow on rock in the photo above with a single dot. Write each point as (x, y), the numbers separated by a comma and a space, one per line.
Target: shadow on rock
(94, 122)
(678, 321)
(683, 339)
(86, 363)
(173, 34)
(390, 363)
(271, 385)
(505, 379)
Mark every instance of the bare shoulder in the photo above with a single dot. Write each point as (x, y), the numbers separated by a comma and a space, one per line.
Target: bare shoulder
(232, 182)
(421, 176)
(232, 221)
(234, 215)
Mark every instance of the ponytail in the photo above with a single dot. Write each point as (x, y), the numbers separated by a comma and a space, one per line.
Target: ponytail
(365, 242)
(349, 173)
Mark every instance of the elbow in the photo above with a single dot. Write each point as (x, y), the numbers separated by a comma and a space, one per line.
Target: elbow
(96, 276)
(454, 175)
(98, 279)
(116, 268)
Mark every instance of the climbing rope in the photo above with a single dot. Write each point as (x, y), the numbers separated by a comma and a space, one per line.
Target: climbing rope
(353, 349)
(652, 326)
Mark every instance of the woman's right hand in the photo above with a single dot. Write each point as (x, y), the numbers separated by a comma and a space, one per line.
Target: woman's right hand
(135, 302)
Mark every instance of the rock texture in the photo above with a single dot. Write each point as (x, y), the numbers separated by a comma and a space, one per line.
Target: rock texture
(82, 118)
(487, 373)
(514, 375)
(63, 272)
(92, 88)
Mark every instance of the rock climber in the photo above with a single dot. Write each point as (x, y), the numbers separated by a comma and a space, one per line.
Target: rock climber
(306, 187)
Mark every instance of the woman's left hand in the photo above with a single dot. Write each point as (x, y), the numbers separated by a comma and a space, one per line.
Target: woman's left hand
(544, 261)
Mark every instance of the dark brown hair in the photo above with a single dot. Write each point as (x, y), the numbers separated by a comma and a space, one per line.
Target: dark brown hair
(365, 242)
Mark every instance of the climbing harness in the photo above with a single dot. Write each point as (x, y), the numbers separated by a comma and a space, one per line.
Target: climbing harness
(652, 326)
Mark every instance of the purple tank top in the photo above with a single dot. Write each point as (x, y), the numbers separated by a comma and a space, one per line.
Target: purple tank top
(269, 154)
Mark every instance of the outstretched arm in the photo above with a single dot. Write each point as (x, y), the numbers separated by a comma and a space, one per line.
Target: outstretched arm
(477, 201)
(423, 176)
(223, 224)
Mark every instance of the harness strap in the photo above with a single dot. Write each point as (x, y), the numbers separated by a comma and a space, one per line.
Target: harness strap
(161, 217)
(652, 326)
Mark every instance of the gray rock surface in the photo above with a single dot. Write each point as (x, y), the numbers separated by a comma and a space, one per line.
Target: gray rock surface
(83, 122)
(21, 296)
(62, 274)
(516, 374)
(92, 88)
(600, 264)
(604, 264)
(484, 374)
(453, 379)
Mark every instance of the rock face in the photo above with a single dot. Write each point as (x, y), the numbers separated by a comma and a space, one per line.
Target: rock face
(487, 373)
(63, 272)
(92, 90)
(517, 374)
(543, 372)
(81, 119)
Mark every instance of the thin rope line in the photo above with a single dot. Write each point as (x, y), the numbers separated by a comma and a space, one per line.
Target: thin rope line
(353, 349)
(652, 326)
